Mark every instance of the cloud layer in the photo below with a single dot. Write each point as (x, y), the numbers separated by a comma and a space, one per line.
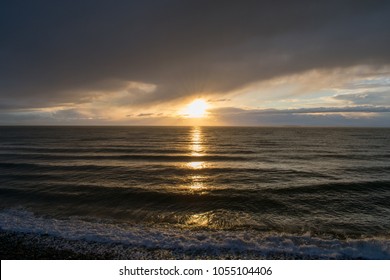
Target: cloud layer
(134, 54)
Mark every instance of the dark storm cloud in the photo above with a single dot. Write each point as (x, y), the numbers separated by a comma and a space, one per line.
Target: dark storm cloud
(55, 52)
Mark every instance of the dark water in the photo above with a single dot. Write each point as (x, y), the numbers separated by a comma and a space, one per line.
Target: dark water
(313, 191)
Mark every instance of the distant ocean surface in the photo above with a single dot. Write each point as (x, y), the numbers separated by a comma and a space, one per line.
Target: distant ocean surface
(313, 192)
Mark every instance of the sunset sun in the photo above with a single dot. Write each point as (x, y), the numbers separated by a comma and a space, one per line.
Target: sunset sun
(196, 109)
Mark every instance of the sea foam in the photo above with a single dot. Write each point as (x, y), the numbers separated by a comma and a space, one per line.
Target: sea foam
(188, 241)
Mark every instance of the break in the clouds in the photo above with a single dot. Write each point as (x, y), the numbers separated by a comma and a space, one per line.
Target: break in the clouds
(138, 62)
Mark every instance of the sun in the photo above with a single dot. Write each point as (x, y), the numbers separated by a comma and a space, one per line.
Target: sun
(196, 109)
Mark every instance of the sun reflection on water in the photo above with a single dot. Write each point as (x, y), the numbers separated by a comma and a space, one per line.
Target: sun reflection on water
(196, 164)
(196, 146)
(196, 185)
(196, 181)
(199, 220)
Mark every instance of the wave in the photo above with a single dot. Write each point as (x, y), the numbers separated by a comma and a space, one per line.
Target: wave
(106, 236)
(112, 150)
(171, 158)
(81, 194)
(353, 186)
(251, 172)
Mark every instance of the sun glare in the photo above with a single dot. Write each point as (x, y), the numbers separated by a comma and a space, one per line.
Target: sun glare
(196, 109)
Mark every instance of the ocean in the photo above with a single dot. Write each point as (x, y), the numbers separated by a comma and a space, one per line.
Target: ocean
(200, 192)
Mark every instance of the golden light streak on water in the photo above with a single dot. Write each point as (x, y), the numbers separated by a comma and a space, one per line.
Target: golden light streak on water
(196, 146)
(196, 149)
(196, 164)
(200, 220)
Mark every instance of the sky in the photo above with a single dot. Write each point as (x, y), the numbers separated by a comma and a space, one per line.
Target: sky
(261, 63)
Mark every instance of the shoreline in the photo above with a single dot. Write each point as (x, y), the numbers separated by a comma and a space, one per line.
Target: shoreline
(31, 246)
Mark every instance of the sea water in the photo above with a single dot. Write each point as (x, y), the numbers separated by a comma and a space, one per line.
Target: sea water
(311, 192)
